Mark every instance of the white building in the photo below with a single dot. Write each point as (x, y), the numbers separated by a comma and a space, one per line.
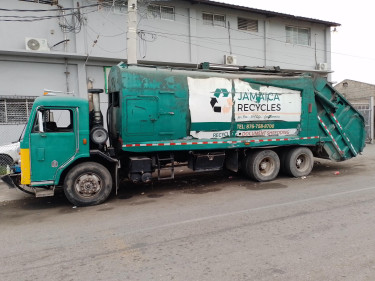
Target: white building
(69, 45)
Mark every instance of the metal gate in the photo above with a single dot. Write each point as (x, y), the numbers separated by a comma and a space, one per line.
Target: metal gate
(367, 110)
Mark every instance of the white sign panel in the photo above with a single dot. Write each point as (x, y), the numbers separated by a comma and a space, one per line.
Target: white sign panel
(210, 100)
(265, 103)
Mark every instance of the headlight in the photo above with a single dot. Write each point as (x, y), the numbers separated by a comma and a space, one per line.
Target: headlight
(99, 135)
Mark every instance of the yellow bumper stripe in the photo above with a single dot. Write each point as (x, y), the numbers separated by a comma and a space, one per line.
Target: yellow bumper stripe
(25, 166)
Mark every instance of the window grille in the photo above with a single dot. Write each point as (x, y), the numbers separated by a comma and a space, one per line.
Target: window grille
(15, 110)
(50, 2)
(114, 6)
(161, 12)
(247, 24)
(208, 18)
(213, 19)
(297, 35)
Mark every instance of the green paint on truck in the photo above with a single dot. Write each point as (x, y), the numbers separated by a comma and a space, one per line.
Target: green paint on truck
(210, 120)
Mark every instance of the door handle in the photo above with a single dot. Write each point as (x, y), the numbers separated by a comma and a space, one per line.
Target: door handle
(43, 135)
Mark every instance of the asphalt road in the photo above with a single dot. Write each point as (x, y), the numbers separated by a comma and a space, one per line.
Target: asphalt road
(215, 226)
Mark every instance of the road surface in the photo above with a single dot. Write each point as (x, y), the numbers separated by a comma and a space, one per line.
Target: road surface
(212, 226)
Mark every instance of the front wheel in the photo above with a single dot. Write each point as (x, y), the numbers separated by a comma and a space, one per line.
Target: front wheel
(262, 165)
(88, 184)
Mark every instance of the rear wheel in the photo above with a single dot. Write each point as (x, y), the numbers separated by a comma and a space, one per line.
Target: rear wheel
(88, 184)
(262, 165)
(299, 162)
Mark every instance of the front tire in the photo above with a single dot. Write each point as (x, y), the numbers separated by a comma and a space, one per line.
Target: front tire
(88, 184)
(262, 165)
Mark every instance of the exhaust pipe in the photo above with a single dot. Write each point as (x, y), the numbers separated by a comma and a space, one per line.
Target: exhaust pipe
(98, 134)
(97, 118)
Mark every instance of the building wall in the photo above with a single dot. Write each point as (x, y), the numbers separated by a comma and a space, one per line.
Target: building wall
(98, 40)
(356, 91)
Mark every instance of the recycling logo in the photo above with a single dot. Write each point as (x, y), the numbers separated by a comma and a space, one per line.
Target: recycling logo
(221, 102)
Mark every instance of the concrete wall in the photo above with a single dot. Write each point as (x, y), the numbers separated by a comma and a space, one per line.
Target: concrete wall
(356, 91)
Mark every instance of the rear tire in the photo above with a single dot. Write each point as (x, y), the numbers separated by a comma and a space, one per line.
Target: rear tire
(88, 184)
(299, 162)
(262, 165)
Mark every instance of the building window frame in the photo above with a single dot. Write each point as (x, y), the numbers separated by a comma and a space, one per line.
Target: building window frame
(297, 35)
(162, 12)
(214, 19)
(247, 24)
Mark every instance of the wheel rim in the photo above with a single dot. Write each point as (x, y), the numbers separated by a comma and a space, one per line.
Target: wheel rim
(88, 185)
(302, 162)
(267, 166)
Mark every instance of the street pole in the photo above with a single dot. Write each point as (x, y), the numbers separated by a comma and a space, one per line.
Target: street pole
(132, 32)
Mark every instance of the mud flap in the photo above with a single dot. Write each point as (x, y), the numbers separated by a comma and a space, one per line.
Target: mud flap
(10, 179)
(13, 181)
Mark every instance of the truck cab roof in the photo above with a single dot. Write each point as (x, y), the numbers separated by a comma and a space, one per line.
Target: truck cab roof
(61, 100)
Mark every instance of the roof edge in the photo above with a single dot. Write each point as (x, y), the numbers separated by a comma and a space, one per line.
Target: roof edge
(264, 12)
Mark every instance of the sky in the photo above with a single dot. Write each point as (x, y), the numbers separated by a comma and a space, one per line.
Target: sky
(353, 44)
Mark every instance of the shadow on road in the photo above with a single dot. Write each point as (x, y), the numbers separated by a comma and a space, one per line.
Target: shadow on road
(185, 181)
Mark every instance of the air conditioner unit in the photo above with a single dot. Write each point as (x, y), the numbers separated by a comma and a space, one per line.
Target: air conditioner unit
(36, 44)
(230, 59)
(323, 66)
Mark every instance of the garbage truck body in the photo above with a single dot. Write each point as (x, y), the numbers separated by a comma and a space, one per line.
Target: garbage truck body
(160, 117)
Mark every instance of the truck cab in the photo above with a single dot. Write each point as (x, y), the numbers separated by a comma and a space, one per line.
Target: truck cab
(54, 137)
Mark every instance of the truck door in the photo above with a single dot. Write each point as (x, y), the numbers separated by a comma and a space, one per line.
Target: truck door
(53, 142)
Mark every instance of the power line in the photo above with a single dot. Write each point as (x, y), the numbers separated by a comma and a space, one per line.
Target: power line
(208, 39)
(39, 18)
(281, 41)
(49, 10)
(210, 48)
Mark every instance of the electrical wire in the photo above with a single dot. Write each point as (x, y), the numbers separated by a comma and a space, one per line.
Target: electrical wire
(247, 47)
(247, 56)
(144, 44)
(36, 18)
(49, 10)
(276, 39)
(74, 26)
(143, 14)
(108, 36)
(101, 48)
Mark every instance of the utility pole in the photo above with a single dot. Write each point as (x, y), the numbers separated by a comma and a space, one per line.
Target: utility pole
(132, 32)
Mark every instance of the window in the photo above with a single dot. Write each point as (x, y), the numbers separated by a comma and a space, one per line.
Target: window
(297, 35)
(247, 24)
(160, 12)
(53, 120)
(15, 110)
(213, 19)
(50, 2)
(119, 7)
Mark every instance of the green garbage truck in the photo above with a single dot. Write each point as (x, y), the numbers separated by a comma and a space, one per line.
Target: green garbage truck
(257, 122)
